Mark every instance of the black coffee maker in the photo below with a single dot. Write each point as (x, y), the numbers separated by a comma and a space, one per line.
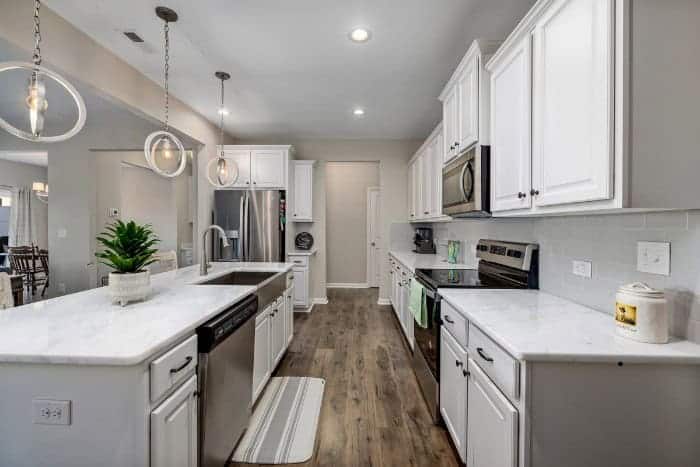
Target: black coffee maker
(423, 240)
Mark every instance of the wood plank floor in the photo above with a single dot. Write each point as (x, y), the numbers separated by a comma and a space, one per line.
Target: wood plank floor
(373, 413)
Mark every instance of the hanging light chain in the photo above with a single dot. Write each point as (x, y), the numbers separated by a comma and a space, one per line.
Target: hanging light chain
(36, 58)
(167, 71)
(221, 120)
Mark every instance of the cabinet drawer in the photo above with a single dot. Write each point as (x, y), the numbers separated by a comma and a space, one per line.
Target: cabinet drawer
(299, 261)
(170, 369)
(503, 369)
(454, 322)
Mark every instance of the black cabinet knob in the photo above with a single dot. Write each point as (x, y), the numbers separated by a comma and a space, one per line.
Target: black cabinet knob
(534, 192)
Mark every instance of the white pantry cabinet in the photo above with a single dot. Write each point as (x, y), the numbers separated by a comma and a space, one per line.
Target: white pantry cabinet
(465, 105)
(453, 391)
(260, 167)
(492, 423)
(592, 124)
(425, 180)
(174, 434)
(302, 201)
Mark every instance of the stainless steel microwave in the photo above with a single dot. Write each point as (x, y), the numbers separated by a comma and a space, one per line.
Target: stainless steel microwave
(465, 184)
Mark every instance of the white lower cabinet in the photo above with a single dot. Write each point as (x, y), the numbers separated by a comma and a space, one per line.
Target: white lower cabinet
(262, 361)
(492, 423)
(289, 314)
(453, 391)
(174, 432)
(279, 331)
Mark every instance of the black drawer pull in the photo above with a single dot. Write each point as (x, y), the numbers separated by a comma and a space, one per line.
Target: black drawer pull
(188, 360)
(481, 353)
(466, 373)
(458, 363)
(449, 320)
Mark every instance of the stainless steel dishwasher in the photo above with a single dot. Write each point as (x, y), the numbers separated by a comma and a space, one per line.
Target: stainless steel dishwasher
(226, 345)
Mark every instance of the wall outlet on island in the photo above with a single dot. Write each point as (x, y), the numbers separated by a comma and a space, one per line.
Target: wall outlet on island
(582, 268)
(50, 412)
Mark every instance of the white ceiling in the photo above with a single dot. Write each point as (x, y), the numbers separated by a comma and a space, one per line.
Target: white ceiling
(295, 73)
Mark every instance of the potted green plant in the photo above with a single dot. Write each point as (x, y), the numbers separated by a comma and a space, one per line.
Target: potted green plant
(128, 250)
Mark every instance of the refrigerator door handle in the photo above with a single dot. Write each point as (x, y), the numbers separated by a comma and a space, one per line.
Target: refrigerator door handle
(241, 233)
(246, 220)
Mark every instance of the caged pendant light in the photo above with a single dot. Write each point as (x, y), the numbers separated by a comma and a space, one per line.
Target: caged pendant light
(163, 143)
(222, 172)
(36, 101)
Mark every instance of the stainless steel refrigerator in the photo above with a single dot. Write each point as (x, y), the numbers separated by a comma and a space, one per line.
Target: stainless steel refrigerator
(254, 223)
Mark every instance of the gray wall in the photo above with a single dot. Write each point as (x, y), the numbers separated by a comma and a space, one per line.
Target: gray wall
(22, 175)
(610, 243)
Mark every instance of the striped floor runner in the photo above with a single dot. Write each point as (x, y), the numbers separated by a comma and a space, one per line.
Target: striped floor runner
(283, 427)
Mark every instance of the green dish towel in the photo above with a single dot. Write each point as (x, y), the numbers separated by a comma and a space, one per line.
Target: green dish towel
(417, 304)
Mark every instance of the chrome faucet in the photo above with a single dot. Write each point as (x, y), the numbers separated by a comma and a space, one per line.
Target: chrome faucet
(203, 263)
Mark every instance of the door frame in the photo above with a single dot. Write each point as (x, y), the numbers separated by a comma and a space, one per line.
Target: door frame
(373, 264)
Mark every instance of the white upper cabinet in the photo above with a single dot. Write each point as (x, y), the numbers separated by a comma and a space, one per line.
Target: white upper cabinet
(302, 202)
(465, 104)
(425, 179)
(468, 92)
(268, 168)
(510, 130)
(242, 159)
(573, 107)
(260, 167)
(450, 118)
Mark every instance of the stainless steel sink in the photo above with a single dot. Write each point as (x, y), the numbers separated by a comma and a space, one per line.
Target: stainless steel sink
(240, 278)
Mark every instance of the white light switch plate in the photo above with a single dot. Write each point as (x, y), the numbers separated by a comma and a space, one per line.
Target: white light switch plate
(50, 412)
(654, 257)
(582, 268)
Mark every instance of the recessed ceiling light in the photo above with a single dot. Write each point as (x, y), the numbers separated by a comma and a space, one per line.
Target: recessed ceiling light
(360, 35)
(358, 112)
(223, 111)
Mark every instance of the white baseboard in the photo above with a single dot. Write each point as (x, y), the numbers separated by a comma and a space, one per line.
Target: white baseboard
(304, 310)
(347, 285)
(320, 301)
(383, 301)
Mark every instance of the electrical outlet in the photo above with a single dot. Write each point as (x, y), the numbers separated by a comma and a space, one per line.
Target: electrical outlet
(654, 257)
(582, 268)
(113, 212)
(50, 412)
(62, 233)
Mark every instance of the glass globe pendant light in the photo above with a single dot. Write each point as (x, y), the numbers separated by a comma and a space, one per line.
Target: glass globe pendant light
(36, 102)
(222, 172)
(163, 143)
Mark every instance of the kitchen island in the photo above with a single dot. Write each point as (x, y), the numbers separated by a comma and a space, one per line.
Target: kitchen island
(83, 381)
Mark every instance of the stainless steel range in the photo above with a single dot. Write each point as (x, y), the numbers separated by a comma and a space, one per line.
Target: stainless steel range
(502, 265)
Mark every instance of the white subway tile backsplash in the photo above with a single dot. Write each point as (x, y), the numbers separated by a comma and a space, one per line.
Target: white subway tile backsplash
(610, 243)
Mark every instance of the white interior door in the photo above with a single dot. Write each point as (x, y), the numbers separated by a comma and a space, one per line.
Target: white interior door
(511, 130)
(573, 103)
(373, 236)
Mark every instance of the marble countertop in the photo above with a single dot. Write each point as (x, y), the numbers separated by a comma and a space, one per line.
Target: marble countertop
(303, 252)
(537, 326)
(85, 328)
(415, 261)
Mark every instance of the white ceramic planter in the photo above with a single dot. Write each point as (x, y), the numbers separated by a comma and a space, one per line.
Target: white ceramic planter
(125, 288)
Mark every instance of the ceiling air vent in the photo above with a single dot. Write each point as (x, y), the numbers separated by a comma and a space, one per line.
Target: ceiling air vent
(133, 37)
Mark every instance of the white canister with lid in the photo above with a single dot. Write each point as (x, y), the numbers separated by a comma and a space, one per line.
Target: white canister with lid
(641, 314)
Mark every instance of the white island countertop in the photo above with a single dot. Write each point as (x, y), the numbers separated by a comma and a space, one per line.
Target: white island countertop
(537, 326)
(85, 328)
(414, 261)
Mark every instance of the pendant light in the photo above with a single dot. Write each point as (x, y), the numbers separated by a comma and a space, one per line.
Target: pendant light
(163, 142)
(222, 172)
(36, 100)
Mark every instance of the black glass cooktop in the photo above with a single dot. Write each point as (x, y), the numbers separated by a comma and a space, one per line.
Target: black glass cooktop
(461, 278)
